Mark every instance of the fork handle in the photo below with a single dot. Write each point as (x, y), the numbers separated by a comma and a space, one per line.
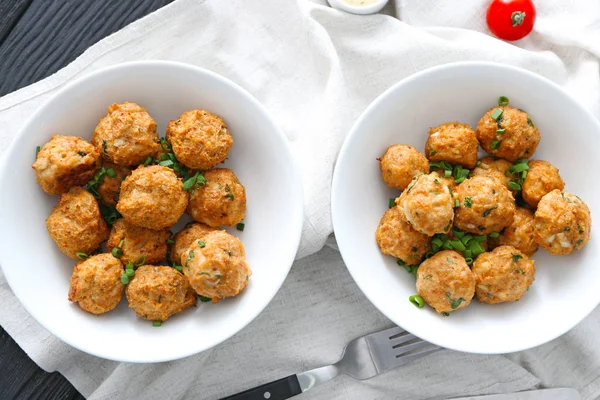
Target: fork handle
(277, 390)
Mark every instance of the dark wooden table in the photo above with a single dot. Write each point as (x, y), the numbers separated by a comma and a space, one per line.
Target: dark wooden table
(37, 38)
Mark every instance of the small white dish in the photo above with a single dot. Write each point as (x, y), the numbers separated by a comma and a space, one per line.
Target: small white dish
(39, 273)
(565, 290)
(358, 6)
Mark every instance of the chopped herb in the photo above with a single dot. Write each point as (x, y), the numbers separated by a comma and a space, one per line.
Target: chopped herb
(121, 243)
(520, 271)
(167, 163)
(165, 145)
(240, 227)
(111, 173)
(417, 301)
(530, 122)
(478, 163)
(494, 235)
(514, 185)
(457, 245)
(456, 203)
(436, 181)
(495, 144)
(516, 257)
(201, 243)
(428, 277)
(454, 303)
(579, 228)
(489, 211)
(579, 243)
(414, 181)
(104, 147)
(82, 154)
(37, 151)
(432, 153)
(447, 173)
(518, 167)
(178, 267)
(445, 314)
(156, 323)
(170, 241)
(189, 257)
(566, 229)
(500, 131)
(469, 260)
(497, 114)
(229, 193)
(117, 252)
(204, 299)
(124, 279)
(391, 202)
(503, 101)
(565, 198)
(448, 226)
(468, 202)
(129, 272)
(81, 255)
(140, 261)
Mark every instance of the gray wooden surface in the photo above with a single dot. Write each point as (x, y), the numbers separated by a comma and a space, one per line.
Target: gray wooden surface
(37, 38)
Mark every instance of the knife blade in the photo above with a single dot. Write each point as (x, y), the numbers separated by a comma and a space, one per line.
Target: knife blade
(542, 394)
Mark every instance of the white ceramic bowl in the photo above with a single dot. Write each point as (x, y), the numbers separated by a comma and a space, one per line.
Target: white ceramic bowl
(372, 8)
(39, 274)
(565, 288)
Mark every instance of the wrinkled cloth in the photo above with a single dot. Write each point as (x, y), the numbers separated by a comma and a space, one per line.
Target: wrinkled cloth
(316, 69)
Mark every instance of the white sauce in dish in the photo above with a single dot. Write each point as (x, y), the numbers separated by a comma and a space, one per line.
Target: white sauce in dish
(359, 3)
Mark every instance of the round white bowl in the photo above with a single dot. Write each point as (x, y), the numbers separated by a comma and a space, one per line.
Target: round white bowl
(565, 289)
(360, 10)
(38, 272)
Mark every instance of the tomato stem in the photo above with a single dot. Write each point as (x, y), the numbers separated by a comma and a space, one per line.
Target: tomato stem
(517, 18)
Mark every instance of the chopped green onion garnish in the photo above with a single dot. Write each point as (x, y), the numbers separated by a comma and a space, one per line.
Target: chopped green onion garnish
(447, 173)
(518, 168)
(480, 238)
(178, 267)
(156, 323)
(457, 233)
(530, 122)
(129, 265)
(456, 203)
(37, 150)
(516, 257)
(467, 253)
(457, 244)
(124, 279)
(468, 202)
(140, 261)
(476, 248)
(500, 131)
(478, 163)
(170, 241)
(121, 243)
(514, 185)
(240, 227)
(201, 243)
(166, 163)
(503, 101)
(204, 299)
(81, 255)
(437, 242)
(147, 161)
(497, 114)
(447, 245)
(129, 272)
(111, 172)
(391, 203)
(469, 260)
(417, 301)
(466, 239)
(117, 252)
(495, 144)
(494, 235)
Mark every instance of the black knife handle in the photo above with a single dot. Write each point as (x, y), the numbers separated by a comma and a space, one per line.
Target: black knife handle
(277, 390)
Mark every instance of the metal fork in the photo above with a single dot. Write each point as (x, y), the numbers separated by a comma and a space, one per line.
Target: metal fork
(363, 358)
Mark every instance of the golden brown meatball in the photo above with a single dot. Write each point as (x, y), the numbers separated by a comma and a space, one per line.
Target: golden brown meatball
(216, 266)
(427, 205)
(502, 275)
(221, 201)
(126, 135)
(400, 164)
(110, 186)
(486, 205)
(519, 233)
(445, 281)
(512, 135)
(452, 142)
(155, 293)
(64, 162)
(138, 244)
(96, 284)
(75, 223)
(184, 238)
(397, 238)
(200, 139)
(562, 223)
(542, 178)
(152, 197)
(496, 168)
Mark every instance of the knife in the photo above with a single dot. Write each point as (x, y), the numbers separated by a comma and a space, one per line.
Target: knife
(543, 394)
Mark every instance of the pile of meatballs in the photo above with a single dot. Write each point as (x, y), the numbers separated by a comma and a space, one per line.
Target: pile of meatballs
(129, 187)
(467, 227)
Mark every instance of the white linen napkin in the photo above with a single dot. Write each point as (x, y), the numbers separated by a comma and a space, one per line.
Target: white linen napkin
(315, 69)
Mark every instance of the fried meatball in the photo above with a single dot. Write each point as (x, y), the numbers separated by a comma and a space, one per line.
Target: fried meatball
(400, 164)
(155, 293)
(512, 135)
(126, 135)
(502, 275)
(452, 142)
(427, 205)
(445, 281)
(221, 201)
(184, 238)
(110, 185)
(562, 223)
(138, 244)
(200, 139)
(519, 233)
(96, 284)
(541, 179)
(64, 162)
(75, 223)
(486, 205)
(397, 238)
(216, 266)
(152, 197)
(496, 168)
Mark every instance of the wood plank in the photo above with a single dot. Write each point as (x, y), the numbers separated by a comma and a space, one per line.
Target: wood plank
(37, 38)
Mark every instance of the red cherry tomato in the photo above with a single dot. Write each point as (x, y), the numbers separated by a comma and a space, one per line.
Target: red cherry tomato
(511, 19)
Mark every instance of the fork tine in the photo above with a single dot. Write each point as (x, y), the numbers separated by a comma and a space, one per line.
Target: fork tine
(405, 348)
(405, 359)
(397, 340)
